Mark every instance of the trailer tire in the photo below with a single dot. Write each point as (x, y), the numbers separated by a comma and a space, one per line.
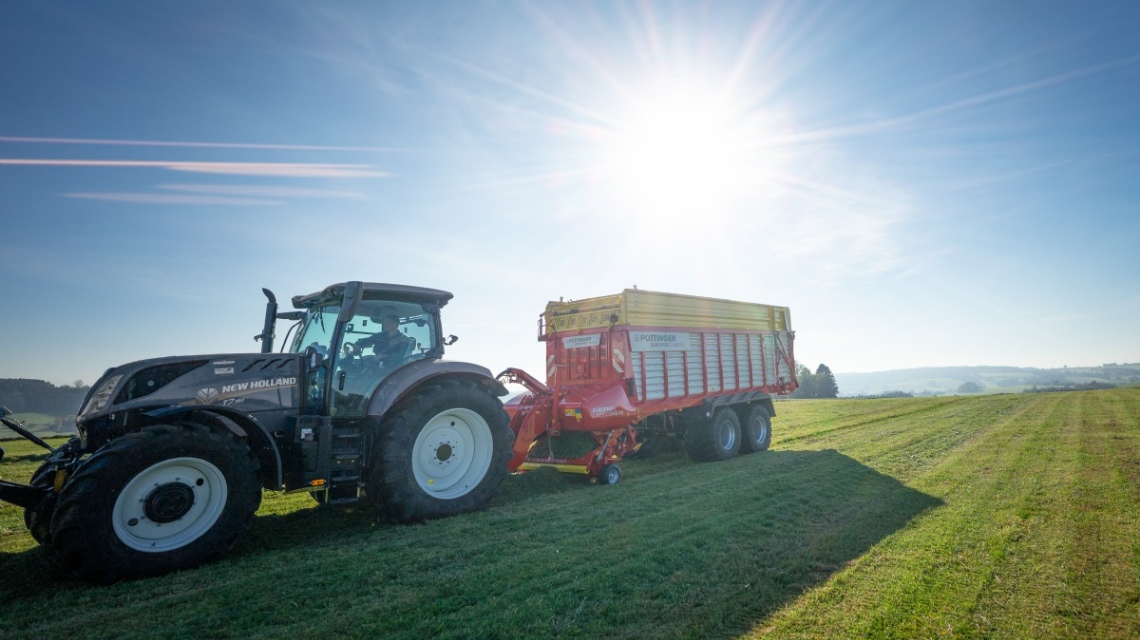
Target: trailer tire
(610, 474)
(202, 485)
(757, 430)
(714, 439)
(441, 452)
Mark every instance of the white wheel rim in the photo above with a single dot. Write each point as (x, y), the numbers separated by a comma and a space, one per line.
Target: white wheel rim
(195, 495)
(452, 454)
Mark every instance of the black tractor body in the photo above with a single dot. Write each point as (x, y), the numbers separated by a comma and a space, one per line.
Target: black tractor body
(173, 453)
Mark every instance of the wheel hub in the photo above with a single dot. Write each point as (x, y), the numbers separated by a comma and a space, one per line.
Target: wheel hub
(168, 502)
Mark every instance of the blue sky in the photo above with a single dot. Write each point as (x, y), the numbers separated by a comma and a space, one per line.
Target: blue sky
(924, 184)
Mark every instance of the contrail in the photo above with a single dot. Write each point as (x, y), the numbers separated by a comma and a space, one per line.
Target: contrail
(283, 169)
(204, 145)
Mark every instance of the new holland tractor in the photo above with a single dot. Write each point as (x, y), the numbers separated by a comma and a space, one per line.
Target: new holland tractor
(173, 453)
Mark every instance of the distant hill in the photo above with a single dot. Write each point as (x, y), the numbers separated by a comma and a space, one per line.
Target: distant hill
(947, 380)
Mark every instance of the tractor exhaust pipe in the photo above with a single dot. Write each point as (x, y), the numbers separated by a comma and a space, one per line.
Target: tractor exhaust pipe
(266, 335)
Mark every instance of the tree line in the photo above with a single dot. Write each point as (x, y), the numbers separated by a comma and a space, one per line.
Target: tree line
(820, 384)
(22, 395)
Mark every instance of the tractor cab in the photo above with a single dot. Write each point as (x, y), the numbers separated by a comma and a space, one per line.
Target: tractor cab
(355, 335)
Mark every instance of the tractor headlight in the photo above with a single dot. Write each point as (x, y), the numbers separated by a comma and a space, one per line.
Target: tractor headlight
(101, 396)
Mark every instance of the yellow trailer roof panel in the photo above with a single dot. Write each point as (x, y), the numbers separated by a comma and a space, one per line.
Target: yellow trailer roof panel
(640, 308)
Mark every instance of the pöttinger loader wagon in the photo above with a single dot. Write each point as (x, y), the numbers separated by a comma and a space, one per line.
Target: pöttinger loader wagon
(644, 364)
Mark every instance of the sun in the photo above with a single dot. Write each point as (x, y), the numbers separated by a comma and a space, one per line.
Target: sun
(678, 145)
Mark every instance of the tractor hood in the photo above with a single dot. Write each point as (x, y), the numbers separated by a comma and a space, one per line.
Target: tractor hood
(247, 382)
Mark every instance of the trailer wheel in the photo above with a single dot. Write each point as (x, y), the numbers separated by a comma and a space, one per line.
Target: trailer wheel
(442, 452)
(165, 498)
(715, 439)
(757, 430)
(610, 474)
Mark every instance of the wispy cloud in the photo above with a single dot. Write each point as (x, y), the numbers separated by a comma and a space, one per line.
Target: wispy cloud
(196, 145)
(912, 119)
(260, 191)
(174, 198)
(268, 169)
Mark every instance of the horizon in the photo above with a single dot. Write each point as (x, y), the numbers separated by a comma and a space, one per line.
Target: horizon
(940, 184)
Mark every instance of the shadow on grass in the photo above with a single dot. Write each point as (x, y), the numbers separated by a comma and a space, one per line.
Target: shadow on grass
(711, 550)
(674, 550)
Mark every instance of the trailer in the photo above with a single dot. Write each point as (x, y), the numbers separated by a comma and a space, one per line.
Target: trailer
(644, 365)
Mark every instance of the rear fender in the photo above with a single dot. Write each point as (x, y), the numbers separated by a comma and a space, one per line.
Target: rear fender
(402, 381)
(241, 425)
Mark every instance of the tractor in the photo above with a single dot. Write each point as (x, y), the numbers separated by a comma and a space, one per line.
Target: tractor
(173, 453)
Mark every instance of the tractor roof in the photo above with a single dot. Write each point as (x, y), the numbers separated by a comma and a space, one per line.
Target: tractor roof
(373, 291)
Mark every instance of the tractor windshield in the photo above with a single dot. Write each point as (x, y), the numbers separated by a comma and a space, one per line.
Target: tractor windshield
(317, 331)
(383, 336)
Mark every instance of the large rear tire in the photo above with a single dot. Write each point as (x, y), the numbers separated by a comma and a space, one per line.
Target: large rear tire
(756, 430)
(166, 498)
(715, 439)
(441, 452)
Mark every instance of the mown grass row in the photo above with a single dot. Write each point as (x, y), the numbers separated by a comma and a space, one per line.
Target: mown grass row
(988, 516)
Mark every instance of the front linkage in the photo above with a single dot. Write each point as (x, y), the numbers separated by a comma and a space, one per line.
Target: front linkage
(32, 496)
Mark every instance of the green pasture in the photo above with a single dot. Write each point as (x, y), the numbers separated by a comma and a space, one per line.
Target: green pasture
(992, 516)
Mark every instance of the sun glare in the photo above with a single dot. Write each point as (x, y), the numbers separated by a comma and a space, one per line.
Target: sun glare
(676, 147)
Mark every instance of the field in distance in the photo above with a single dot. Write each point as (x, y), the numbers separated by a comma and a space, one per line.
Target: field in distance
(1004, 516)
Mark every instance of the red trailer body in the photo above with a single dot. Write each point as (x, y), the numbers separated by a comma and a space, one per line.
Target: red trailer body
(619, 366)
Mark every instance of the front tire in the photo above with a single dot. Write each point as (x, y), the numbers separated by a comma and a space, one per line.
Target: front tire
(166, 498)
(441, 452)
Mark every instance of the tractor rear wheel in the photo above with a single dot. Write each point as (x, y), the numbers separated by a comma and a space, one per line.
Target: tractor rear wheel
(756, 430)
(441, 452)
(715, 439)
(166, 498)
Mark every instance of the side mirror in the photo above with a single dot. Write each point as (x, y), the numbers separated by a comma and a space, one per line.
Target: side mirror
(451, 339)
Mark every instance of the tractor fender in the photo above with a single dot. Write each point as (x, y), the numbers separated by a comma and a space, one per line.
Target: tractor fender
(242, 425)
(402, 381)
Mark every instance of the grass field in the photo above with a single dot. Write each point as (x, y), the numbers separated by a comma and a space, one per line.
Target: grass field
(1010, 516)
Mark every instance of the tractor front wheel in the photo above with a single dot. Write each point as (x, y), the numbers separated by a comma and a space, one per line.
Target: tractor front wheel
(166, 498)
(441, 452)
